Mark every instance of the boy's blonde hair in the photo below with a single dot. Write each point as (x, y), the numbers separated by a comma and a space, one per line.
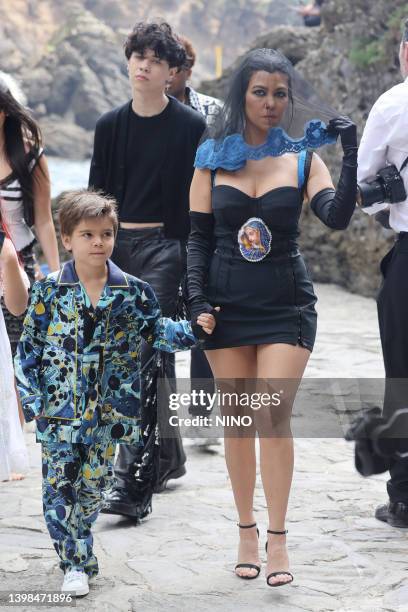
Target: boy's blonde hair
(85, 204)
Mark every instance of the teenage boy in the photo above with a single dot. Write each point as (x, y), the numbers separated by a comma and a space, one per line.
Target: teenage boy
(78, 374)
(143, 155)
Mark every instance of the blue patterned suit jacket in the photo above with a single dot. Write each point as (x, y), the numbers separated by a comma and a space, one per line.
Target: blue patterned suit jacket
(59, 376)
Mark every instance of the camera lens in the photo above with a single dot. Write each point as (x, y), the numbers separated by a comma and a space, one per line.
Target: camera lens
(372, 193)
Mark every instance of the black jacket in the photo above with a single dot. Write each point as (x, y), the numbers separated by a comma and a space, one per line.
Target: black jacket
(108, 165)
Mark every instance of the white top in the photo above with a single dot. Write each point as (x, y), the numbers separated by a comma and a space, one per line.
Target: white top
(12, 209)
(385, 141)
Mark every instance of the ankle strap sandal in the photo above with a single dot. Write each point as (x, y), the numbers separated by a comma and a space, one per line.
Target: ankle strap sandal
(272, 574)
(248, 565)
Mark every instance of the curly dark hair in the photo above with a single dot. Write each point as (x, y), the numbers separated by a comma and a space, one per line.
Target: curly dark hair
(158, 37)
(190, 52)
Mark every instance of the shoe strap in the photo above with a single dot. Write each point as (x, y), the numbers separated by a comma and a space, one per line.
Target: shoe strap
(246, 526)
(284, 532)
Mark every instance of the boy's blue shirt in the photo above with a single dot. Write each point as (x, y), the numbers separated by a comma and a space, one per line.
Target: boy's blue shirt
(73, 389)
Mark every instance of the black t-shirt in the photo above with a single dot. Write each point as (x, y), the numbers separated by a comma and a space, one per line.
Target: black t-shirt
(145, 156)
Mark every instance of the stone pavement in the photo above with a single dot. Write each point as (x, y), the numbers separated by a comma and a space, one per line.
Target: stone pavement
(182, 557)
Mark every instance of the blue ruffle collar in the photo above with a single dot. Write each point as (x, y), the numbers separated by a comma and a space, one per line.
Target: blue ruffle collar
(233, 152)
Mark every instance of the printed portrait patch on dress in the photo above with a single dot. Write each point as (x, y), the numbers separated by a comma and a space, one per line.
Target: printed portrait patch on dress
(254, 239)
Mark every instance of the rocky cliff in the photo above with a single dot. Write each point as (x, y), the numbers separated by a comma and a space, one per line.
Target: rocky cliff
(69, 54)
(350, 60)
(69, 57)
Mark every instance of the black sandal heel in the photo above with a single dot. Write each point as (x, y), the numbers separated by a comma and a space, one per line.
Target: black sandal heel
(248, 565)
(272, 574)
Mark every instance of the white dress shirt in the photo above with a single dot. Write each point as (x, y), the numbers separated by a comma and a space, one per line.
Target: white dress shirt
(385, 141)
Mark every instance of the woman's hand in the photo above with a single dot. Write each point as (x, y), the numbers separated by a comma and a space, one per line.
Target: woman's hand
(207, 321)
(346, 129)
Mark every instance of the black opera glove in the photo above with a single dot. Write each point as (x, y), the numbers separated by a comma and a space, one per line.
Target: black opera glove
(335, 207)
(200, 246)
(346, 129)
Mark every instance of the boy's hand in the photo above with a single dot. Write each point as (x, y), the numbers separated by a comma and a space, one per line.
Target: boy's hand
(207, 321)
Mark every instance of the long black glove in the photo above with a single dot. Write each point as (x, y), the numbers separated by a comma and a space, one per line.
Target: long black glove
(335, 207)
(199, 249)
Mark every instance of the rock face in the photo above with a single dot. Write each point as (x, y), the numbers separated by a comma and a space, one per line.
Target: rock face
(350, 60)
(70, 59)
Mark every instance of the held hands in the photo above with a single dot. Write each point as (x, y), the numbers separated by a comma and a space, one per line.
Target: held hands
(207, 321)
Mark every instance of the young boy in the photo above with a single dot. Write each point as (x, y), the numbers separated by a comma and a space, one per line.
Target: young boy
(78, 374)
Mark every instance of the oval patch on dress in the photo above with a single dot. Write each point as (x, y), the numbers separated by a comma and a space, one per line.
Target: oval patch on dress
(254, 239)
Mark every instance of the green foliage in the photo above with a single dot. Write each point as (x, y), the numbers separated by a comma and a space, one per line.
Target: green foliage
(397, 18)
(365, 53)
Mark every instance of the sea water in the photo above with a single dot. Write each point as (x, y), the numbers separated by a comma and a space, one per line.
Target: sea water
(67, 174)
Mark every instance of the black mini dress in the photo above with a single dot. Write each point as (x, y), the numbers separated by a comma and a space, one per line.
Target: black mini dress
(270, 299)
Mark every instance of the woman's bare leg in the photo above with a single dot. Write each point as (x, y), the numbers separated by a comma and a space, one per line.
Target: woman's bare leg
(240, 363)
(274, 362)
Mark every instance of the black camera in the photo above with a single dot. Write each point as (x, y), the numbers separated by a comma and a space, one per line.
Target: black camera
(387, 186)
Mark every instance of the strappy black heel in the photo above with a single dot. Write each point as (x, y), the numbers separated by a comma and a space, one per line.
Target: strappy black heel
(248, 565)
(272, 574)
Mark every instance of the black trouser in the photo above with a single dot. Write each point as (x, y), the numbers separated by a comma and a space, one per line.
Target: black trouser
(392, 305)
(159, 261)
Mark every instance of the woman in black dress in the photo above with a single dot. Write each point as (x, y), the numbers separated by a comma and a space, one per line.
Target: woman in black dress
(246, 198)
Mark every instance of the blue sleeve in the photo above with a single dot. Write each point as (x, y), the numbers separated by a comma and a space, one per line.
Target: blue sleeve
(163, 333)
(27, 361)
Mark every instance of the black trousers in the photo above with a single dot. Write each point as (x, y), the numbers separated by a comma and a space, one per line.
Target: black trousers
(159, 261)
(392, 303)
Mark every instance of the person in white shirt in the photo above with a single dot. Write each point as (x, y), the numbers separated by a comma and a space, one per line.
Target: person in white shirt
(385, 142)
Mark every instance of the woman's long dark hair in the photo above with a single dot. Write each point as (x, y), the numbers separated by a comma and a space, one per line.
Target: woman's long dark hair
(20, 128)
